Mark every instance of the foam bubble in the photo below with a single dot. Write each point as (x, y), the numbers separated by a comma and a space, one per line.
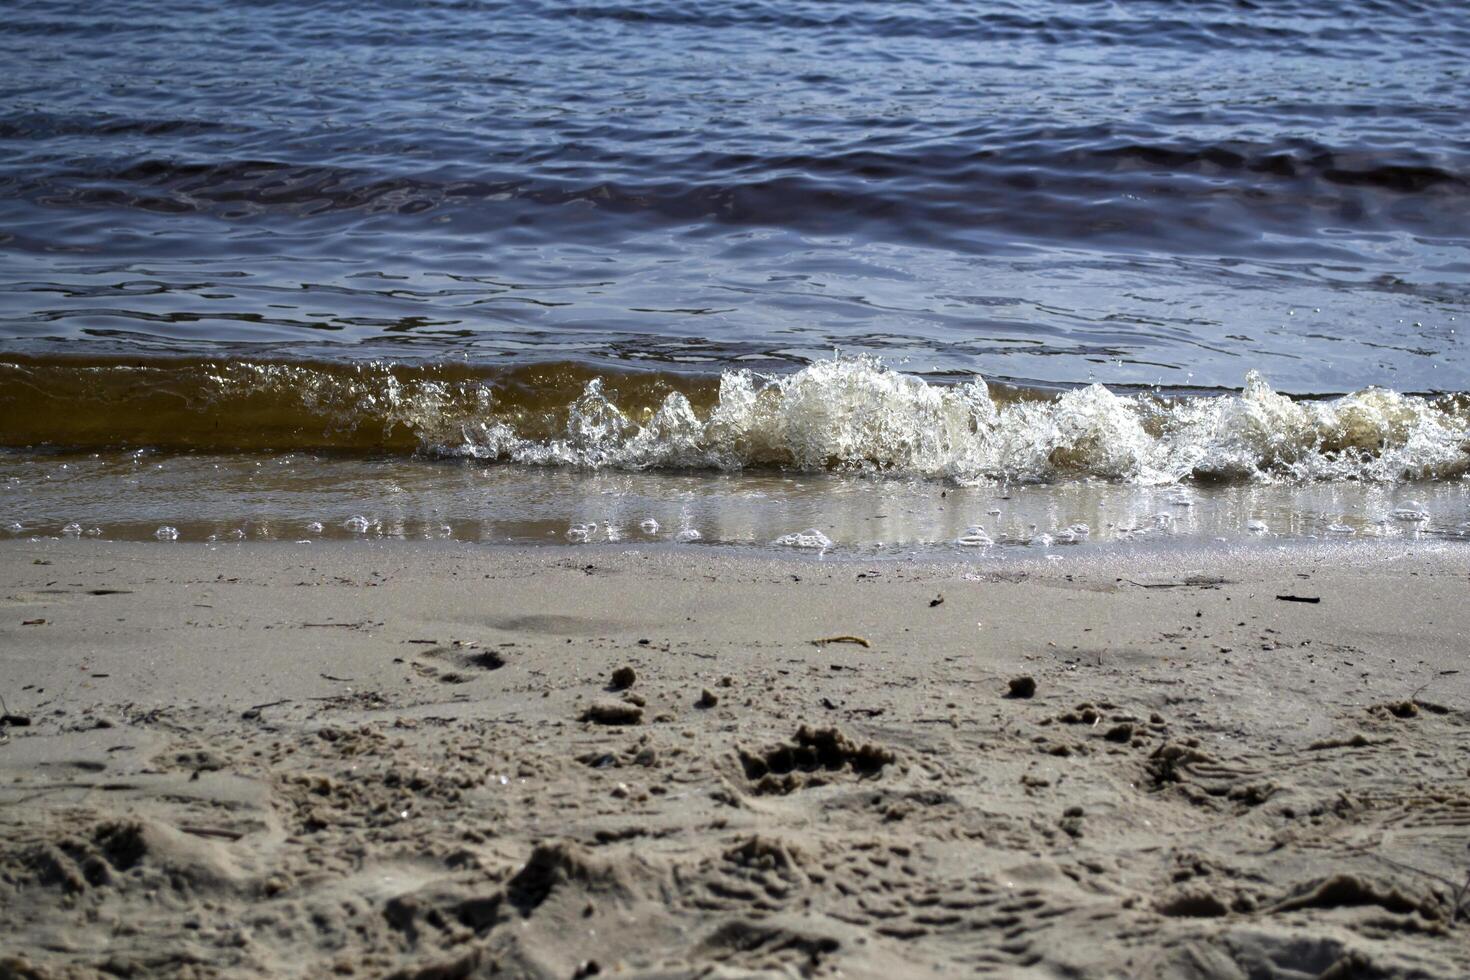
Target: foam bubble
(358, 524)
(811, 539)
(648, 525)
(167, 533)
(687, 535)
(315, 527)
(1410, 510)
(72, 530)
(1073, 534)
(974, 536)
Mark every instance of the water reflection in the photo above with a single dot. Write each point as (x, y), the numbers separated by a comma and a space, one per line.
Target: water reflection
(300, 497)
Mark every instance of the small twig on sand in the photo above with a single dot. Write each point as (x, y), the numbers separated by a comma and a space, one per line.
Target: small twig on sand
(1459, 892)
(8, 720)
(1459, 898)
(45, 790)
(254, 710)
(841, 639)
(221, 833)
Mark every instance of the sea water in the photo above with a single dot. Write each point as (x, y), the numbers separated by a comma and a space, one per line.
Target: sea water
(907, 276)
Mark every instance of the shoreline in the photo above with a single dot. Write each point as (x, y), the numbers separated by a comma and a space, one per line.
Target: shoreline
(551, 537)
(370, 758)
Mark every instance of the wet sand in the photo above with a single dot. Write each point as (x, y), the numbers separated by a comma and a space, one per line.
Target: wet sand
(415, 760)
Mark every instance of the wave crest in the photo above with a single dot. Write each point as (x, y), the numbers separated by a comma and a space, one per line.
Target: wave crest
(845, 414)
(856, 414)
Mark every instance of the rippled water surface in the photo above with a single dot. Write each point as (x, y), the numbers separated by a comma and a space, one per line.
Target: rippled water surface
(631, 236)
(1151, 192)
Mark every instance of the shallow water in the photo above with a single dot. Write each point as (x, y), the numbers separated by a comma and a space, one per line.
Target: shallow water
(296, 497)
(630, 236)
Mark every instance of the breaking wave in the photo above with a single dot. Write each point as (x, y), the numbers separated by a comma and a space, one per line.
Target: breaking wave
(845, 414)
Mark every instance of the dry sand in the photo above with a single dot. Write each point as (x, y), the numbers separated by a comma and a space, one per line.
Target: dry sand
(371, 760)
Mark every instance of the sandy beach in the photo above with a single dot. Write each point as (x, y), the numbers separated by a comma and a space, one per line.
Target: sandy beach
(453, 761)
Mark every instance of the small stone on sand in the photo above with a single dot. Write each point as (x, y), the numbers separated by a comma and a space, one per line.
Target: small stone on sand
(623, 678)
(614, 713)
(1022, 687)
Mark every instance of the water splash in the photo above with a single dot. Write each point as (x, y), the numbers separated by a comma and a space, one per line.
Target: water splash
(855, 414)
(845, 415)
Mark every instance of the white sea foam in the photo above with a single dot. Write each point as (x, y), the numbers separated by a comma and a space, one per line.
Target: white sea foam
(167, 533)
(811, 539)
(855, 414)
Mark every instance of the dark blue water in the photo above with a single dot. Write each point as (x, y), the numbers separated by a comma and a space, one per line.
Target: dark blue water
(1139, 193)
